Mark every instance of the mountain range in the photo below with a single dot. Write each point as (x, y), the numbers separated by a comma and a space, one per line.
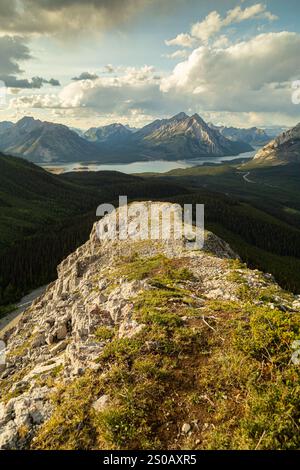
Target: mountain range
(180, 137)
(44, 142)
(252, 136)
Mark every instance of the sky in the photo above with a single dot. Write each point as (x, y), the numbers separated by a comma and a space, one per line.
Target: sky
(88, 63)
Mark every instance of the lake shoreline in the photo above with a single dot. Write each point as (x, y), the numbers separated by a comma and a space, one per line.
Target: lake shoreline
(155, 166)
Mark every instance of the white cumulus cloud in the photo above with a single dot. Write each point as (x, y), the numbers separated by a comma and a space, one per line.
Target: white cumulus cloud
(213, 23)
(245, 76)
(181, 40)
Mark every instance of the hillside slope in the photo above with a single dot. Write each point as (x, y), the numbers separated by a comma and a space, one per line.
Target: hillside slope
(153, 345)
(44, 217)
(30, 197)
(280, 151)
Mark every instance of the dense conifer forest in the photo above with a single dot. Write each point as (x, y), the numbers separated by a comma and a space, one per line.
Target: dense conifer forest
(45, 217)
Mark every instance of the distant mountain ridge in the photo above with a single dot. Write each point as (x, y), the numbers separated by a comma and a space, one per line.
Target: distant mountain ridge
(180, 137)
(44, 142)
(274, 131)
(253, 135)
(109, 133)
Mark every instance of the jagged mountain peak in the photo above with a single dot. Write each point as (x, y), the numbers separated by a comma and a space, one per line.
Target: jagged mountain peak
(197, 118)
(115, 125)
(27, 119)
(28, 123)
(189, 136)
(110, 133)
(177, 123)
(196, 121)
(179, 117)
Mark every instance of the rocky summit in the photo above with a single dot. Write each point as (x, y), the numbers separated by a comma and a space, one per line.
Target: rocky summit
(143, 344)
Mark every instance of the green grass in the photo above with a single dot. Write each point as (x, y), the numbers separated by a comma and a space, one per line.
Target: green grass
(253, 370)
(104, 333)
(234, 378)
(137, 268)
(143, 376)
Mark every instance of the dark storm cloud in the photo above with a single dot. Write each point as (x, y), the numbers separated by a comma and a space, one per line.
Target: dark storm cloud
(66, 16)
(7, 8)
(12, 51)
(62, 16)
(53, 82)
(36, 82)
(108, 4)
(85, 76)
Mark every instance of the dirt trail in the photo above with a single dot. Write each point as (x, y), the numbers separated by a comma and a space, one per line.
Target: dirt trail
(247, 179)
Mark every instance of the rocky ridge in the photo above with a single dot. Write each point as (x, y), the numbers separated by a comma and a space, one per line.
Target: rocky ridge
(120, 294)
(282, 150)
